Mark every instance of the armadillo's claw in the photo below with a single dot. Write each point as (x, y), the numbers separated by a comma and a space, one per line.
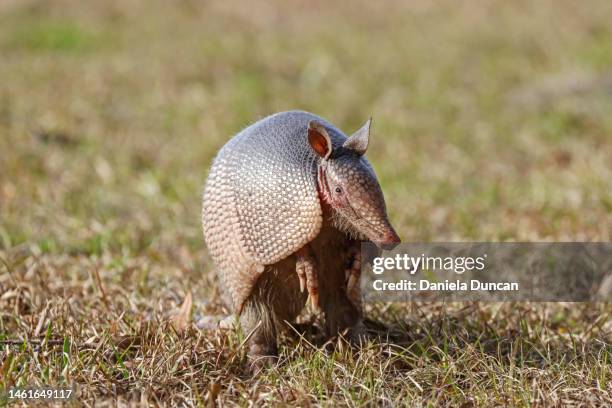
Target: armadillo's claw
(353, 273)
(314, 299)
(353, 291)
(307, 274)
(301, 267)
(312, 283)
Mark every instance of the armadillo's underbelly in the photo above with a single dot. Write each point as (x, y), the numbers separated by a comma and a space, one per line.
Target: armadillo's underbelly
(332, 251)
(280, 283)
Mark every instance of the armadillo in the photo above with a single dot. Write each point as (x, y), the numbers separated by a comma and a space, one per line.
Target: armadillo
(286, 203)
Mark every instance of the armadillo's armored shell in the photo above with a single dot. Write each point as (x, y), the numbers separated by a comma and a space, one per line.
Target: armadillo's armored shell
(260, 201)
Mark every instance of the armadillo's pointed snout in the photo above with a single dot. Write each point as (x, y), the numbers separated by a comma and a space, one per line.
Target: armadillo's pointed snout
(389, 240)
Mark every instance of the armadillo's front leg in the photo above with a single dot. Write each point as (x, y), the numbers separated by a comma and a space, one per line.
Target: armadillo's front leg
(305, 268)
(352, 274)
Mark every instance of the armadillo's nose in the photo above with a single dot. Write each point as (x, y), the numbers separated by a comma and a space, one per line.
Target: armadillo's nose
(389, 240)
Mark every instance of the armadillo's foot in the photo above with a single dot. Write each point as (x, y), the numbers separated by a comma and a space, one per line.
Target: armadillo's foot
(260, 357)
(307, 273)
(358, 334)
(352, 274)
(260, 363)
(300, 269)
(257, 321)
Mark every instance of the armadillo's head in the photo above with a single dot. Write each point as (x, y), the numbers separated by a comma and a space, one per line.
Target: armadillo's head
(348, 184)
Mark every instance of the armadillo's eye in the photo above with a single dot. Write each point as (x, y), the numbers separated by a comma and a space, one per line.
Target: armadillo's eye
(338, 190)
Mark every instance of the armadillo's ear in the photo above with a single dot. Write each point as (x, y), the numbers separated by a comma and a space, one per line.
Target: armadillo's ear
(319, 139)
(358, 142)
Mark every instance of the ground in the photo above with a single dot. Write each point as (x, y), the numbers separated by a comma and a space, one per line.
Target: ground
(492, 122)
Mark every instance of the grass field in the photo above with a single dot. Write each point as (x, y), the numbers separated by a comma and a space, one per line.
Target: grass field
(492, 122)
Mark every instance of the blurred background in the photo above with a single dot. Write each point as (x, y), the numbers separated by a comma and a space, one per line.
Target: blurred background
(492, 122)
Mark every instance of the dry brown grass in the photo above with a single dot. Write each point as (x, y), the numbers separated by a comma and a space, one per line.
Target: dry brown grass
(492, 121)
